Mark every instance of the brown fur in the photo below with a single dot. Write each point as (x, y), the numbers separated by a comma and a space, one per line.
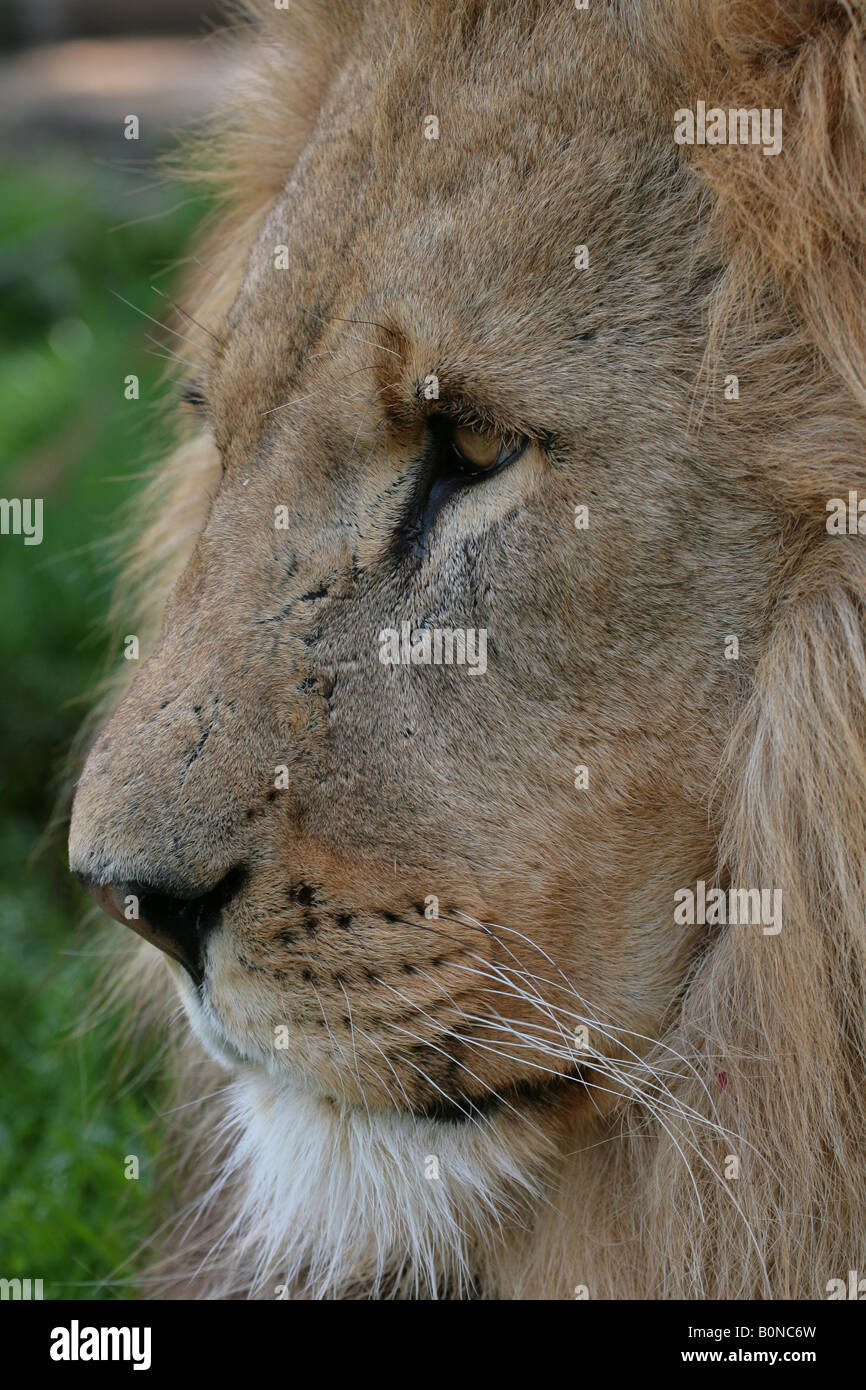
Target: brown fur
(707, 518)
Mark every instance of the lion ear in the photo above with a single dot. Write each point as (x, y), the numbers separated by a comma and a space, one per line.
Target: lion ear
(797, 218)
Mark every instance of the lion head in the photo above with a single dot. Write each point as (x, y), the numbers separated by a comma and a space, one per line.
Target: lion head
(498, 615)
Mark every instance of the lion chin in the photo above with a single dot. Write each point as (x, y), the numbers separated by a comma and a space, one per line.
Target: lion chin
(492, 781)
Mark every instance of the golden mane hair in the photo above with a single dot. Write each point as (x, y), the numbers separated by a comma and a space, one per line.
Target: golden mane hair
(783, 1031)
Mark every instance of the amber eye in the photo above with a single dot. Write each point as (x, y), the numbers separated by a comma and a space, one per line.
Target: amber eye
(479, 453)
(480, 448)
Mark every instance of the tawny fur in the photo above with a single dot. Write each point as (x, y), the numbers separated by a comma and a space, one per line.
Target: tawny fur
(302, 1178)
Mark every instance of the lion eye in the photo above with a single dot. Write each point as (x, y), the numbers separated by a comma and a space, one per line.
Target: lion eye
(479, 453)
(480, 448)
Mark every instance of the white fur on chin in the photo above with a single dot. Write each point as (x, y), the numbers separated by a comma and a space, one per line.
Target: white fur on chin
(333, 1198)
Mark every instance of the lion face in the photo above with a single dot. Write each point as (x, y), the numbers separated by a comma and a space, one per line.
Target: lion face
(374, 871)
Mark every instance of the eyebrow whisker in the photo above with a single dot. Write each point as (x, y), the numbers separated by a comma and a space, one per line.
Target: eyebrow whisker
(164, 326)
(371, 323)
(180, 310)
(168, 355)
(357, 339)
(368, 367)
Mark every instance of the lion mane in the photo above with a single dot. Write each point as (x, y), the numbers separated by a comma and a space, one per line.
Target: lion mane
(764, 1052)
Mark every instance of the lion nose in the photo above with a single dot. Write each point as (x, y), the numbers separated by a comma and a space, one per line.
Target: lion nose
(178, 925)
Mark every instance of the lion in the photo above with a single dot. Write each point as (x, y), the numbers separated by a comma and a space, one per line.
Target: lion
(482, 343)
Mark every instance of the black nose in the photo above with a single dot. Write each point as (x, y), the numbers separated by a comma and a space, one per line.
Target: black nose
(179, 926)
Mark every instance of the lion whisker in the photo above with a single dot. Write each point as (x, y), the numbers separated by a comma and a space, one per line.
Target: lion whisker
(337, 1046)
(367, 1063)
(379, 346)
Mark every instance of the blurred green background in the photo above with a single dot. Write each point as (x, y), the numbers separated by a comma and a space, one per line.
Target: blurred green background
(84, 218)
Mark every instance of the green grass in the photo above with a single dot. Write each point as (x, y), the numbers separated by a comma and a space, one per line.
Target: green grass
(67, 435)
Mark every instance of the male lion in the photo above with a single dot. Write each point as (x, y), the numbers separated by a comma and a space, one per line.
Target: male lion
(480, 346)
